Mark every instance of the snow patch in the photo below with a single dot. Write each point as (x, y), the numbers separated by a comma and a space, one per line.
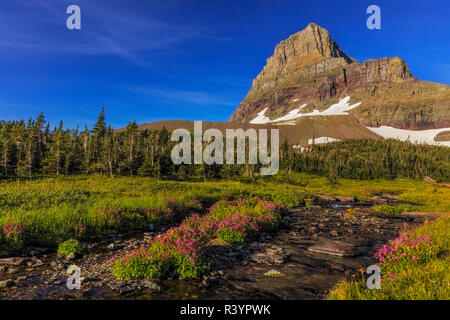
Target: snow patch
(293, 114)
(336, 109)
(414, 136)
(261, 118)
(321, 140)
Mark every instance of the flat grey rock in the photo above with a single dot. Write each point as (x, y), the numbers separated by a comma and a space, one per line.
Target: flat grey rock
(336, 248)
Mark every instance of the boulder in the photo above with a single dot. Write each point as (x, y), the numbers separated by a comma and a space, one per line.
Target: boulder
(337, 248)
(325, 198)
(345, 199)
(14, 261)
(378, 200)
(389, 196)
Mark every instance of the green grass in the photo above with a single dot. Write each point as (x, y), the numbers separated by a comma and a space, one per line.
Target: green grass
(416, 270)
(394, 209)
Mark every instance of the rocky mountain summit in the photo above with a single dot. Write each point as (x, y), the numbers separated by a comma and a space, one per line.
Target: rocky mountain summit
(305, 54)
(310, 68)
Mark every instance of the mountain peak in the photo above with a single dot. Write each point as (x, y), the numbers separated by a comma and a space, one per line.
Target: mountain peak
(314, 39)
(308, 68)
(312, 25)
(298, 57)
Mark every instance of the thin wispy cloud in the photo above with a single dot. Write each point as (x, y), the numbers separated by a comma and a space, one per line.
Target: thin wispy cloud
(107, 29)
(183, 97)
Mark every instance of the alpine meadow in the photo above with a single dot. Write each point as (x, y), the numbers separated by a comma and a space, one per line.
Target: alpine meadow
(264, 162)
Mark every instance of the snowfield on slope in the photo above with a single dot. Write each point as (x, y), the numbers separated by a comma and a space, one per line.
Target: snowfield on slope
(336, 109)
(319, 140)
(261, 118)
(341, 108)
(414, 136)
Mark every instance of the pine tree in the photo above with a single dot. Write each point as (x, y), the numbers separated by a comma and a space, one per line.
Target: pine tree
(131, 147)
(31, 147)
(72, 159)
(98, 131)
(108, 156)
(86, 150)
(6, 148)
(57, 152)
(19, 137)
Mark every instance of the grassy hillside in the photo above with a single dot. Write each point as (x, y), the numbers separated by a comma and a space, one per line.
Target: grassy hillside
(338, 127)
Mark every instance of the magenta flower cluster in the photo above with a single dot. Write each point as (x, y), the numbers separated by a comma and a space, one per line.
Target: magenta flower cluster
(112, 216)
(187, 242)
(403, 247)
(180, 242)
(11, 229)
(202, 224)
(240, 223)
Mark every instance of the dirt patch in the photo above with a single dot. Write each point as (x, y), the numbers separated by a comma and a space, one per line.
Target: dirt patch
(442, 136)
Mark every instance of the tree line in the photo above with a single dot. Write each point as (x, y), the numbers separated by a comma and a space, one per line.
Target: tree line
(32, 148)
(373, 159)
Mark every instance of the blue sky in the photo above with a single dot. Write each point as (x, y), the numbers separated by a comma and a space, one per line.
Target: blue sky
(186, 59)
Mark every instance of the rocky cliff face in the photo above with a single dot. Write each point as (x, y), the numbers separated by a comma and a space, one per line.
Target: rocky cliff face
(307, 53)
(309, 67)
(385, 69)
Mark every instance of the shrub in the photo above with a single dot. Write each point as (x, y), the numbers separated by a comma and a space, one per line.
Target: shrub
(70, 246)
(141, 264)
(190, 269)
(231, 236)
